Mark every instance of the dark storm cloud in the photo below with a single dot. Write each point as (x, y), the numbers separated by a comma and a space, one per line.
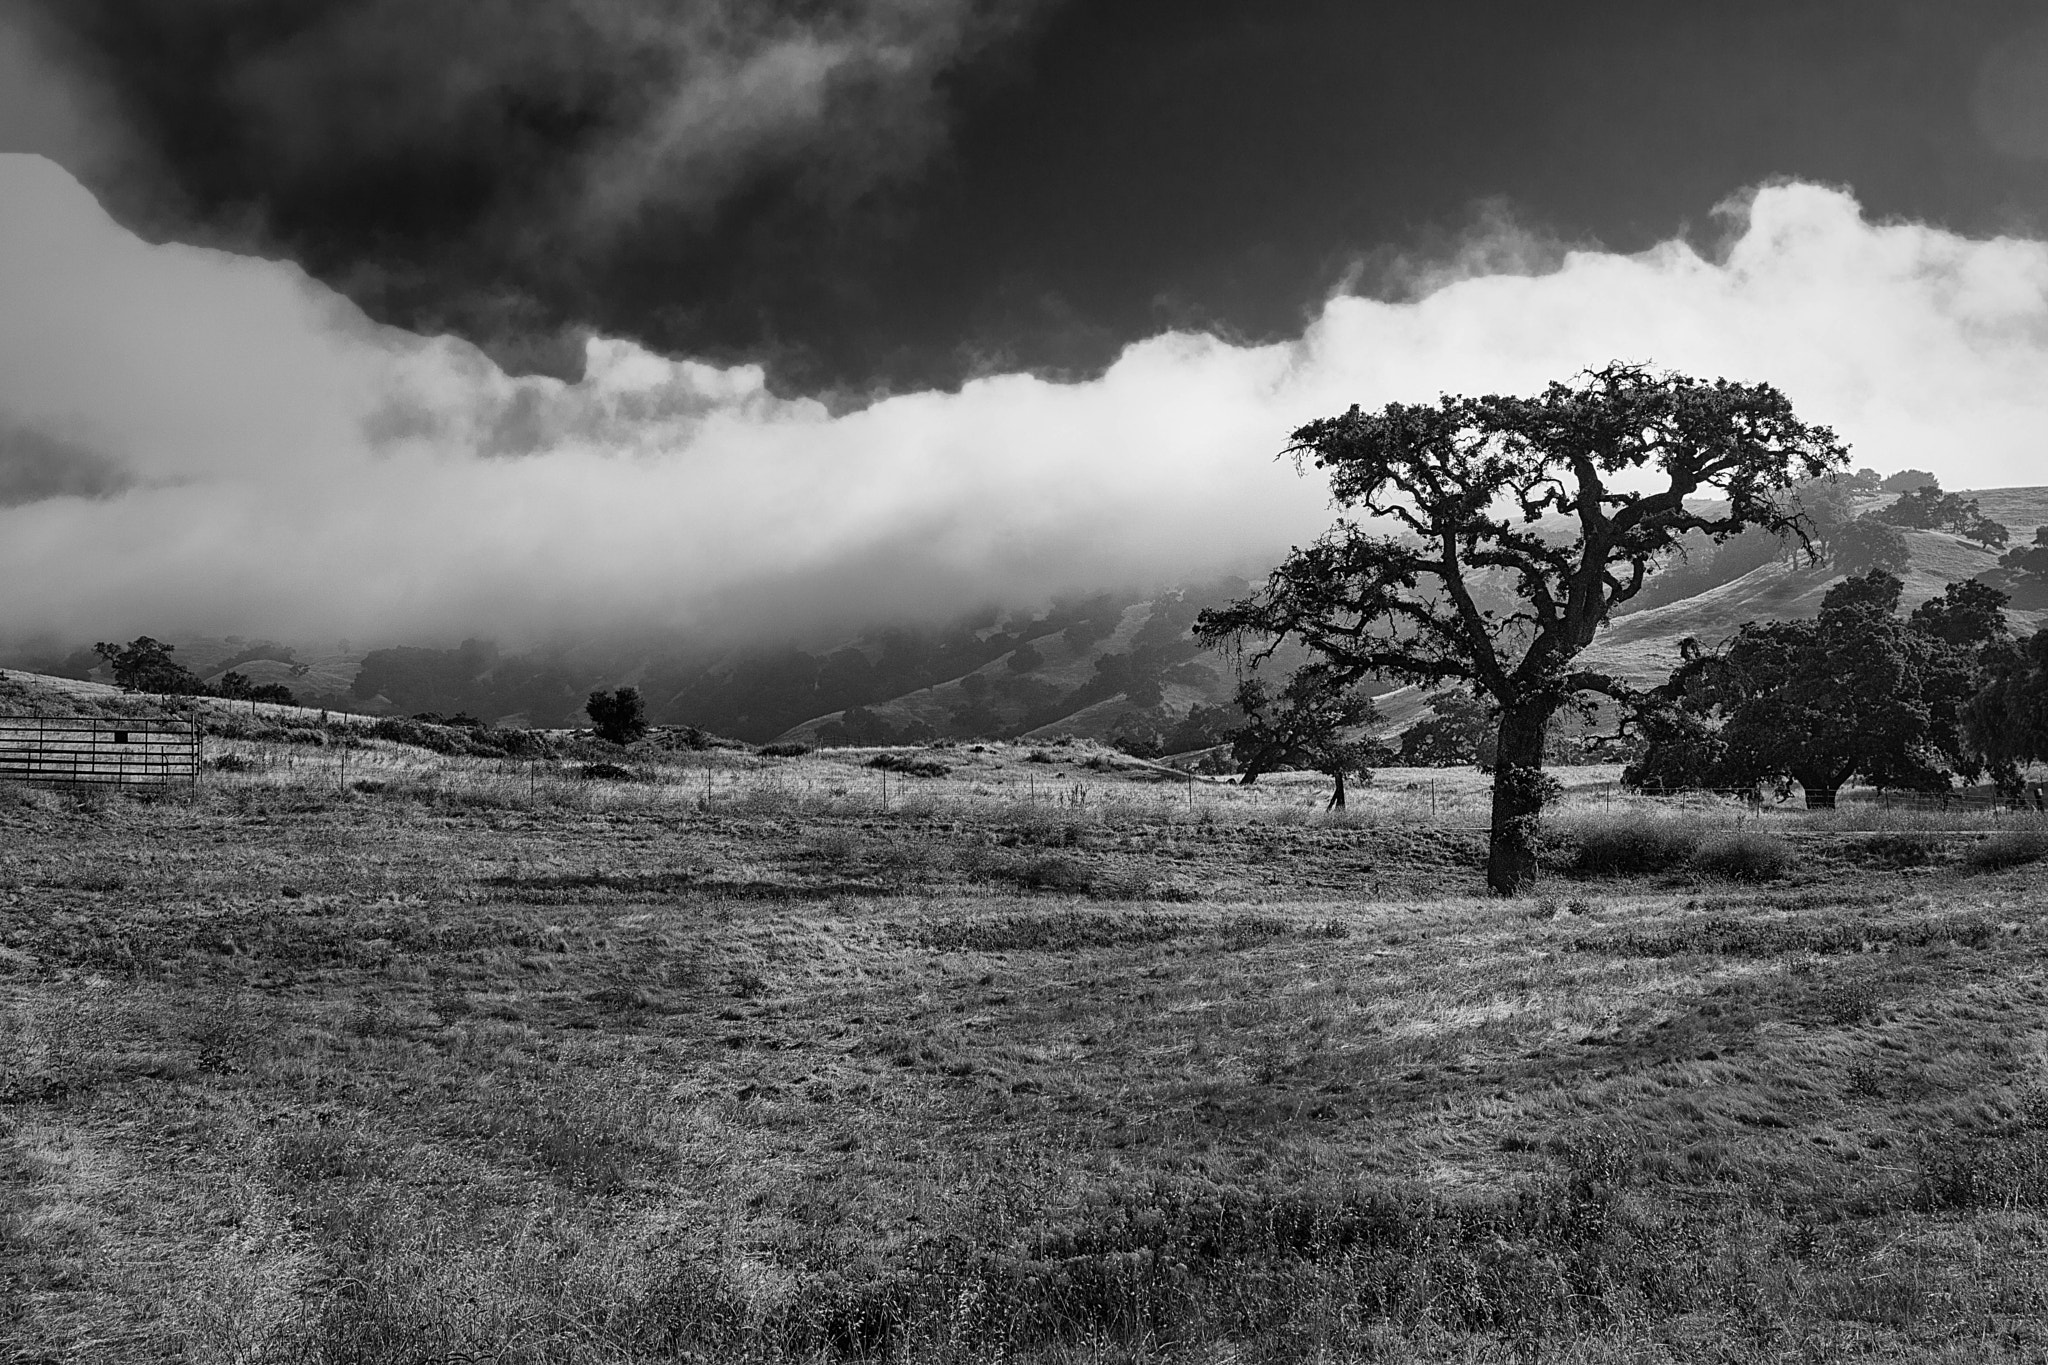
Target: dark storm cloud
(36, 466)
(880, 195)
(514, 172)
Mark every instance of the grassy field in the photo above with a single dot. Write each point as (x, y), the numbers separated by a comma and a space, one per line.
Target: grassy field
(1051, 1057)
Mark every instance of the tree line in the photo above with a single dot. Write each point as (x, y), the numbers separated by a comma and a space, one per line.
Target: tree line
(146, 665)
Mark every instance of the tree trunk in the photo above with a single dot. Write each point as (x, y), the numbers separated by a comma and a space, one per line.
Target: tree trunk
(1337, 797)
(1519, 789)
(1820, 789)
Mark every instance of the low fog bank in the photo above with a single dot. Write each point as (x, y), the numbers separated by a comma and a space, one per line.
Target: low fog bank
(988, 673)
(198, 444)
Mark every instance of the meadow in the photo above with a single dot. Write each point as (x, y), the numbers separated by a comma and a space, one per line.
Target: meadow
(1038, 1054)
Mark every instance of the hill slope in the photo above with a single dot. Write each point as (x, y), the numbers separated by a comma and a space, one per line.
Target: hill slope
(1092, 667)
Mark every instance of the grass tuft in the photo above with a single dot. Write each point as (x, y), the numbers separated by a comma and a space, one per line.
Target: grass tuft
(1626, 845)
(1744, 856)
(2014, 848)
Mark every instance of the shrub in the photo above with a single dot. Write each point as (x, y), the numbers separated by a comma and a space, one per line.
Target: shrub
(605, 772)
(232, 763)
(619, 716)
(2014, 848)
(1623, 844)
(1055, 872)
(1744, 856)
(437, 738)
(910, 765)
(789, 750)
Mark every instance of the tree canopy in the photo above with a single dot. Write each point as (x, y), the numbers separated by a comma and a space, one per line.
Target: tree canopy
(146, 665)
(1866, 544)
(1854, 691)
(1501, 533)
(2006, 723)
(1459, 729)
(619, 715)
(1309, 723)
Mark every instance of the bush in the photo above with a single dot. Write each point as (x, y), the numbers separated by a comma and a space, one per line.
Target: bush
(1899, 850)
(2015, 848)
(790, 750)
(1625, 844)
(619, 716)
(1744, 856)
(606, 772)
(421, 735)
(232, 763)
(910, 765)
(1055, 872)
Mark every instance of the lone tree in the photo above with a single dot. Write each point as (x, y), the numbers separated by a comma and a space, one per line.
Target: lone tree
(618, 716)
(1522, 522)
(1304, 725)
(146, 665)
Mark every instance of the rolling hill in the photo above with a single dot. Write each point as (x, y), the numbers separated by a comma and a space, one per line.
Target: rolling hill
(1642, 646)
(1096, 667)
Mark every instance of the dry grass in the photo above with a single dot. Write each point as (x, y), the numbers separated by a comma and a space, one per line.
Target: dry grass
(501, 1063)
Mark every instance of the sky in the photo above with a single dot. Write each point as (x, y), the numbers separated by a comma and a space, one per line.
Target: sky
(414, 321)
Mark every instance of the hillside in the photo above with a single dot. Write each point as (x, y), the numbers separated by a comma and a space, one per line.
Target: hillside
(1641, 647)
(1098, 667)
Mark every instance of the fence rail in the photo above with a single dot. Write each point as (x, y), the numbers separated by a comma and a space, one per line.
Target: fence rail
(99, 750)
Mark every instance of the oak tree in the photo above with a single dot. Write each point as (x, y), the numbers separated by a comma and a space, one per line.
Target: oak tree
(1310, 722)
(1498, 533)
(1856, 691)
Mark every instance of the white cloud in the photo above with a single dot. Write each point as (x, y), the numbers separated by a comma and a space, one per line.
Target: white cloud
(291, 469)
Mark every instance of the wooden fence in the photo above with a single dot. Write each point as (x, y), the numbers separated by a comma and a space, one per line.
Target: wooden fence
(106, 750)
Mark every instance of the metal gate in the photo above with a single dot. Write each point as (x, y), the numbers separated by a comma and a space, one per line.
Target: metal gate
(110, 750)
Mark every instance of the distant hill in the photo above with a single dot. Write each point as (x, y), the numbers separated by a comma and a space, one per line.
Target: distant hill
(1641, 647)
(1095, 666)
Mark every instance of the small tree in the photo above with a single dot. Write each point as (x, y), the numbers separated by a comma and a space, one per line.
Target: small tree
(1304, 725)
(1992, 535)
(619, 716)
(1459, 729)
(1927, 508)
(146, 665)
(1906, 480)
(237, 687)
(1867, 544)
(2005, 723)
(2029, 562)
(1521, 524)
